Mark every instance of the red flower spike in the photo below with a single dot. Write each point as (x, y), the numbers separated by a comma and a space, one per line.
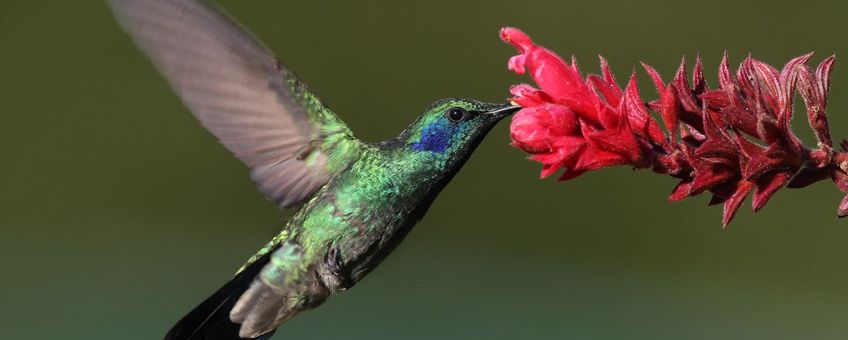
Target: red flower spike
(687, 97)
(553, 75)
(726, 80)
(787, 81)
(769, 79)
(564, 154)
(716, 100)
(640, 119)
(842, 210)
(536, 129)
(729, 140)
(813, 89)
(691, 108)
(680, 192)
(839, 175)
(823, 73)
(528, 96)
(766, 187)
(722, 192)
(758, 160)
(619, 141)
(807, 177)
(699, 85)
(748, 84)
(594, 159)
(707, 173)
(574, 65)
(670, 110)
(608, 76)
(611, 93)
(570, 174)
(655, 77)
(732, 204)
(716, 200)
(768, 131)
(692, 135)
(716, 144)
(667, 105)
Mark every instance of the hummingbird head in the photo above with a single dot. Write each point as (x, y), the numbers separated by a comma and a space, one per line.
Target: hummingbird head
(451, 129)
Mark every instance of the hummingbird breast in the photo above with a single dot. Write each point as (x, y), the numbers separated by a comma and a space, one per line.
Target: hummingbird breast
(360, 216)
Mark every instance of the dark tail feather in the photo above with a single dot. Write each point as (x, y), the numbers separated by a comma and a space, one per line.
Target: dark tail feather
(211, 319)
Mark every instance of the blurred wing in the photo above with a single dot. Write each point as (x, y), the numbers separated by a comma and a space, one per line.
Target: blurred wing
(241, 93)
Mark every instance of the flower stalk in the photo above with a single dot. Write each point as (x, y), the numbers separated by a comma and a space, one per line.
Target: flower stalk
(732, 141)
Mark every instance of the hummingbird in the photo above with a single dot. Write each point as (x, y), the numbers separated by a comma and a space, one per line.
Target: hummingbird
(355, 201)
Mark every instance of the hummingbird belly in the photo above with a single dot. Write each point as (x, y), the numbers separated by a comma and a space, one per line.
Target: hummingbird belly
(355, 221)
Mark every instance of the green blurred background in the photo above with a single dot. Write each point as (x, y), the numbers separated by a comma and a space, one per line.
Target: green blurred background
(119, 213)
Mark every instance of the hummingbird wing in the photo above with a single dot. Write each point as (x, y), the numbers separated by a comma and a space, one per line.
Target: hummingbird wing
(242, 94)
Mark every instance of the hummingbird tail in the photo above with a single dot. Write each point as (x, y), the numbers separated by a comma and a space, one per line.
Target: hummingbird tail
(211, 319)
(284, 290)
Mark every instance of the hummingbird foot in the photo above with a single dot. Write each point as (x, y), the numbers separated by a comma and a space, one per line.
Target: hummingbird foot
(334, 274)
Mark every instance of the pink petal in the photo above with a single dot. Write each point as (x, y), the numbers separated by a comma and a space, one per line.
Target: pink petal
(515, 37)
(516, 63)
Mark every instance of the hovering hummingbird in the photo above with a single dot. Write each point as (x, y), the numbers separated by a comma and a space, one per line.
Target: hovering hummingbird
(355, 201)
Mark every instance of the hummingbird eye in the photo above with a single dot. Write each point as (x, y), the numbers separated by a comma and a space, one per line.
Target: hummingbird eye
(456, 114)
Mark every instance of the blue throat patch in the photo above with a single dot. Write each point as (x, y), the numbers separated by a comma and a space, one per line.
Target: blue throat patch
(435, 137)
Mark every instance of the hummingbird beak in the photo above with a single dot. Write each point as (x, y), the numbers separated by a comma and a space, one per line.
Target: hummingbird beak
(503, 111)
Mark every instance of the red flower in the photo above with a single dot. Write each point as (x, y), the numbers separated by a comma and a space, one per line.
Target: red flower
(729, 141)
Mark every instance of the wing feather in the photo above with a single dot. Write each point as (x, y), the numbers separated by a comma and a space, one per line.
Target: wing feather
(239, 91)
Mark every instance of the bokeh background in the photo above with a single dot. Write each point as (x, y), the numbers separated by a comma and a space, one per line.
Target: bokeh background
(119, 213)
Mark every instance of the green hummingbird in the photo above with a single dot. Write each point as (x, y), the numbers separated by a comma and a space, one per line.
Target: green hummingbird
(355, 201)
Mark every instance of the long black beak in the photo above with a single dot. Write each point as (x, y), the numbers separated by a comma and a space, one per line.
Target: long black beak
(504, 110)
